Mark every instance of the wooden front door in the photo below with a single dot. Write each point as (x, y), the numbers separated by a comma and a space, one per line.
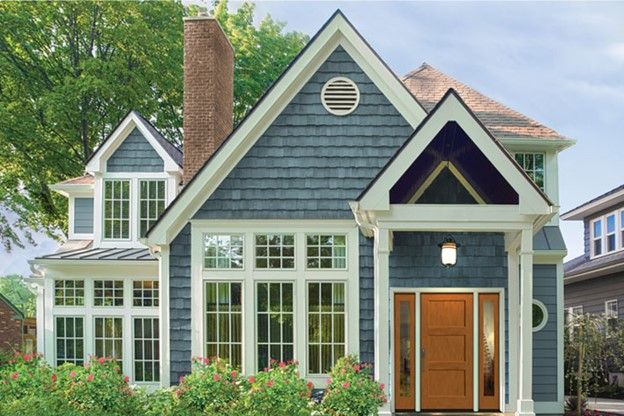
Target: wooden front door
(447, 351)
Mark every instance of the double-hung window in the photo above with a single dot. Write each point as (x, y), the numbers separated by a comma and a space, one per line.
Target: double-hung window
(597, 237)
(117, 209)
(151, 203)
(606, 233)
(610, 235)
(69, 340)
(533, 165)
(275, 316)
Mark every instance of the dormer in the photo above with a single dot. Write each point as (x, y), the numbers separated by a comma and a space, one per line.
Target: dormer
(130, 179)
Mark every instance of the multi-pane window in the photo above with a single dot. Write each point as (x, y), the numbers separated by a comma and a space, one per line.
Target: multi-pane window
(109, 338)
(326, 325)
(597, 237)
(146, 350)
(117, 209)
(275, 251)
(606, 233)
(223, 251)
(151, 203)
(145, 293)
(611, 313)
(108, 293)
(326, 251)
(69, 293)
(275, 317)
(610, 235)
(224, 321)
(533, 165)
(69, 340)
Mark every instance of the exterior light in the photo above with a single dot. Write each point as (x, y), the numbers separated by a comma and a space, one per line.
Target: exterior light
(448, 251)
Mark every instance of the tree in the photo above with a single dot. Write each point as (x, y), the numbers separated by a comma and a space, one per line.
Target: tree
(16, 291)
(70, 70)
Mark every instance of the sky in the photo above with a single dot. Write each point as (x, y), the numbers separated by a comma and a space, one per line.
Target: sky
(560, 63)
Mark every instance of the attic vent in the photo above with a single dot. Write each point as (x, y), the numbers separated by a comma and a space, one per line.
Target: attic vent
(340, 96)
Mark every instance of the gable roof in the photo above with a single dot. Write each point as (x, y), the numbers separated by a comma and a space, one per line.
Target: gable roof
(452, 108)
(429, 85)
(20, 314)
(338, 31)
(607, 200)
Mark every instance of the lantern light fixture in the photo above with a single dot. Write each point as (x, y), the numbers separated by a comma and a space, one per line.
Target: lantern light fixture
(448, 251)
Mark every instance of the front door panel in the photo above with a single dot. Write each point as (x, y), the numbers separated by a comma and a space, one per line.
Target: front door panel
(447, 351)
(404, 344)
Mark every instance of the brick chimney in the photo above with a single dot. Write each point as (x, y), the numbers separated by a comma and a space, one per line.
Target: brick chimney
(208, 90)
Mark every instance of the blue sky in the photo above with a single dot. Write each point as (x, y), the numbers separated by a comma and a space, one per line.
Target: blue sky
(560, 63)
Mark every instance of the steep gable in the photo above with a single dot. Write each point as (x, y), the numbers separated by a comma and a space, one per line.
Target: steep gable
(135, 154)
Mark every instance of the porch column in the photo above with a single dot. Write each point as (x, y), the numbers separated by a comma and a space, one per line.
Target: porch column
(382, 324)
(525, 396)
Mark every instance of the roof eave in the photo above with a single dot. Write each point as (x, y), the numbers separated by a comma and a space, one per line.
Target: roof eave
(585, 210)
(536, 143)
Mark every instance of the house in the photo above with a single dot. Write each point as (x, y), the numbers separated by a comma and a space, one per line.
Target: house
(11, 326)
(593, 282)
(312, 230)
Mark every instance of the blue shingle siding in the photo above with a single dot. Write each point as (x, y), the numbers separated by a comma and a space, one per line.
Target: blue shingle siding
(83, 215)
(481, 263)
(135, 154)
(310, 163)
(367, 300)
(180, 304)
(545, 341)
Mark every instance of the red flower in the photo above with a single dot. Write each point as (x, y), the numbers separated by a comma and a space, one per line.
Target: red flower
(206, 360)
(53, 377)
(346, 385)
(216, 377)
(329, 381)
(233, 374)
(27, 357)
(181, 379)
(101, 360)
(127, 379)
(310, 384)
(270, 383)
(382, 386)
(15, 376)
(356, 368)
(90, 377)
(251, 380)
(72, 374)
(282, 364)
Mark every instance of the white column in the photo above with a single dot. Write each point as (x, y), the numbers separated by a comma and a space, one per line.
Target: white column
(513, 299)
(163, 293)
(525, 397)
(382, 324)
(41, 313)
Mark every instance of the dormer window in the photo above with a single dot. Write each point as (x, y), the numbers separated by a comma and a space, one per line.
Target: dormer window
(117, 209)
(533, 165)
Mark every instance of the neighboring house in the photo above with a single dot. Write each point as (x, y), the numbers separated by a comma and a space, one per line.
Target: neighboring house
(11, 326)
(594, 281)
(312, 230)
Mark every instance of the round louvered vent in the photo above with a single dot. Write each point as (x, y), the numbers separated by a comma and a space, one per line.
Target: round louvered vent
(340, 96)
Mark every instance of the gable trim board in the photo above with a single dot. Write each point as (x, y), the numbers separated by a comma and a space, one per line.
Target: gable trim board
(338, 31)
(451, 108)
(456, 173)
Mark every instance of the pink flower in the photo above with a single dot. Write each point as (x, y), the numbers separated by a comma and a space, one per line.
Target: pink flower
(127, 379)
(356, 368)
(101, 360)
(251, 380)
(310, 385)
(90, 377)
(329, 381)
(27, 357)
(181, 379)
(72, 374)
(270, 383)
(53, 377)
(206, 360)
(346, 385)
(382, 386)
(233, 374)
(15, 376)
(282, 364)
(216, 377)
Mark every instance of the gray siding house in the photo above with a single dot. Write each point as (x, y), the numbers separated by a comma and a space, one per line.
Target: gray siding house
(318, 227)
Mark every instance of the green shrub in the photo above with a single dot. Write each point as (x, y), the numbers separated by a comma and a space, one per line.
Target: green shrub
(24, 375)
(351, 390)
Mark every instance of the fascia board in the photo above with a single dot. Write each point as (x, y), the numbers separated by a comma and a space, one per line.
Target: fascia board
(338, 32)
(599, 205)
(593, 273)
(73, 190)
(524, 144)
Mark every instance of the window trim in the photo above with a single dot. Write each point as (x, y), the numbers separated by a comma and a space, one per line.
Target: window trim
(610, 313)
(84, 337)
(130, 209)
(544, 309)
(529, 173)
(618, 233)
(149, 220)
(158, 342)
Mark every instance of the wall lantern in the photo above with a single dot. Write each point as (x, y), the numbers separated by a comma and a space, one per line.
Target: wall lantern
(448, 251)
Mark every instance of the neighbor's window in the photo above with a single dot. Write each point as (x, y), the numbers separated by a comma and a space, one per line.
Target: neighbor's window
(326, 325)
(223, 251)
(146, 350)
(533, 165)
(117, 209)
(224, 321)
(151, 204)
(275, 251)
(611, 312)
(108, 293)
(326, 251)
(597, 237)
(610, 240)
(275, 318)
(109, 338)
(69, 340)
(69, 293)
(145, 293)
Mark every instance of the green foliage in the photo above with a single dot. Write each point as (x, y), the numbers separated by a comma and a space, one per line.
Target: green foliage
(16, 291)
(351, 390)
(20, 374)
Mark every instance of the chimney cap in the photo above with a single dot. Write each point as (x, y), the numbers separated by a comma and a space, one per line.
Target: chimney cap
(201, 15)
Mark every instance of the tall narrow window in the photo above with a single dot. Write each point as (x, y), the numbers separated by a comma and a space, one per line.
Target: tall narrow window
(488, 351)
(69, 293)
(108, 293)
(146, 350)
(69, 340)
(152, 203)
(326, 251)
(117, 209)
(326, 325)
(275, 251)
(611, 312)
(597, 237)
(223, 327)
(223, 251)
(109, 338)
(610, 233)
(533, 165)
(622, 229)
(275, 323)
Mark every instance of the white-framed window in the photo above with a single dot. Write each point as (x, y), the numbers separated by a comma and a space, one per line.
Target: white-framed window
(116, 209)
(597, 237)
(108, 293)
(576, 311)
(275, 251)
(326, 251)
(610, 243)
(109, 337)
(326, 325)
(622, 228)
(534, 166)
(145, 293)
(152, 199)
(146, 350)
(611, 313)
(69, 335)
(606, 233)
(540, 315)
(224, 321)
(275, 317)
(223, 251)
(69, 293)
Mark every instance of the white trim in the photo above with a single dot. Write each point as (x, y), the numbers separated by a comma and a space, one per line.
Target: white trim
(337, 32)
(560, 334)
(163, 313)
(516, 144)
(541, 305)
